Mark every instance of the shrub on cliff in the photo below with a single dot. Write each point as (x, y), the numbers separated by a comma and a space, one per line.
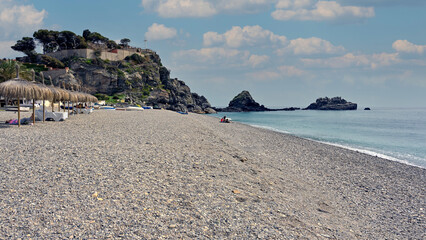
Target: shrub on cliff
(102, 96)
(98, 62)
(52, 62)
(136, 58)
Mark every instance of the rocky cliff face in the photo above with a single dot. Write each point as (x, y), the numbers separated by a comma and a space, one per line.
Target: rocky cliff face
(335, 103)
(143, 80)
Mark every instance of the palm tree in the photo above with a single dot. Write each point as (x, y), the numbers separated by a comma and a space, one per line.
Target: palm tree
(8, 70)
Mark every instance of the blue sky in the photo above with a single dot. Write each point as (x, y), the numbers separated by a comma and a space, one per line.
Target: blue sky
(285, 52)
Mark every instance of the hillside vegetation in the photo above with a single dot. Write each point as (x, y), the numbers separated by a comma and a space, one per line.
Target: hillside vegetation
(140, 78)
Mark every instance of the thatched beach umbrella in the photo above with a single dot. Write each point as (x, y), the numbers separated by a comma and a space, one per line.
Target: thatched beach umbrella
(57, 93)
(87, 98)
(46, 97)
(81, 99)
(65, 94)
(64, 97)
(73, 97)
(46, 94)
(94, 99)
(68, 97)
(19, 88)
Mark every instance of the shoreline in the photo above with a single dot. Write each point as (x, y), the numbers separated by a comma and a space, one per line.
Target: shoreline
(354, 149)
(160, 174)
(365, 150)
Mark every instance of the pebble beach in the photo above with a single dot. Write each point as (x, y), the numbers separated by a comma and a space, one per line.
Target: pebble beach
(158, 174)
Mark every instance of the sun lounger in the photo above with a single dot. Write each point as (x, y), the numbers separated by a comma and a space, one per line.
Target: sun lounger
(15, 109)
(87, 110)
(83, 110)
(56, 116)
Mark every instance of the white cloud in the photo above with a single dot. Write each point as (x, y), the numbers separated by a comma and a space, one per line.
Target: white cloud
(313, 45)
(285, 9)
(290, 71)
(212, 38)
(246, 36)
(203, 8)
(6, 51)
(256, 60)
(180, 8)
(246, 6)
(280, 72)
(294, 3)
(385, 3)
(264, 75)
(212, 55)
(256, 36)
(349, 60)
(310, 10)
(18, 20)
(160, 32)
(408, 47)
(220, 57)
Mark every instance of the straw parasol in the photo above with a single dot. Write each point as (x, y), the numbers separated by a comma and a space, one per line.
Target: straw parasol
(73, 97)
(67, 98)
(19, 88)
(47, 97)
(81, 98)
(64, 97)
(46, 93)
(57, 93)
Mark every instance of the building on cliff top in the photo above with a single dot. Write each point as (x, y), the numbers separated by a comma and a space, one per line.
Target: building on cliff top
(111, 55)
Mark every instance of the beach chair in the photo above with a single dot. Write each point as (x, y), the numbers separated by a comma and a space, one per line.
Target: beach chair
(86, 110)
(56, 116)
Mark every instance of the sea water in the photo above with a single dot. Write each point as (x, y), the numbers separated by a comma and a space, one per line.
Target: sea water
(397, 134)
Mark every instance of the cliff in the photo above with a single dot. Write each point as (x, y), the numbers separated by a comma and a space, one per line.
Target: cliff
(335, 103)
(141, 79)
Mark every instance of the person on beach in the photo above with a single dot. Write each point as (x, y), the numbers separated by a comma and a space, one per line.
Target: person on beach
(24, 121)
(224, 120)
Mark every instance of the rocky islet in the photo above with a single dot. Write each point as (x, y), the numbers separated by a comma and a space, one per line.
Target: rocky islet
(244, 102)
(335, 103)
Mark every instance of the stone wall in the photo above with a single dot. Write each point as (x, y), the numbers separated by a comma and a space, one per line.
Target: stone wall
(84, 53)
(114, 55)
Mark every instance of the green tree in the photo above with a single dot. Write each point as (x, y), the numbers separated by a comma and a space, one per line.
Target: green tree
(82, 44)
(112, 44)
(8, 70)
(125, 42)
(98, 39)
(27, 46)
(67, 40)
(48, 39)
(53, 41)
(86, 34)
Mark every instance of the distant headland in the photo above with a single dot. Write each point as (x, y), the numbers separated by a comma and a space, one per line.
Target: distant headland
(114, 72)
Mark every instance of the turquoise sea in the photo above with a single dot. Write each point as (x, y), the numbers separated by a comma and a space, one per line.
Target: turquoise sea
(397, 134)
